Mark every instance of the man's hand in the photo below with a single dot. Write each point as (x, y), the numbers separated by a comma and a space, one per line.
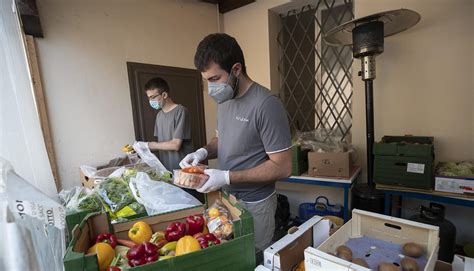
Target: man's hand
(217, 179)
(193, 158)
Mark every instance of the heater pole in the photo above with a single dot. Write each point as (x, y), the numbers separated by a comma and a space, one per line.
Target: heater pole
(369, 120)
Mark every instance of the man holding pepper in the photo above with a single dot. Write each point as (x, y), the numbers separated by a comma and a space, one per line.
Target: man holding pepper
(253, 137)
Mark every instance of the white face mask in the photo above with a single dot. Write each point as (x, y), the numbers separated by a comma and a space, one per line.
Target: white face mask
(222, 92)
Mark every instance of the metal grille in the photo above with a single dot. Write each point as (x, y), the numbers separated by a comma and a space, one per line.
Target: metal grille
(315, 78)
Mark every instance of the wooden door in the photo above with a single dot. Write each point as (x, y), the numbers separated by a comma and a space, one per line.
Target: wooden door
(185, 88)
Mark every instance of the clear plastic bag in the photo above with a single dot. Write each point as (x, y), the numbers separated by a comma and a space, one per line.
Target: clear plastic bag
(148, 157)
(115, 193)
(159, 197)
(81, 199)
(219, 220)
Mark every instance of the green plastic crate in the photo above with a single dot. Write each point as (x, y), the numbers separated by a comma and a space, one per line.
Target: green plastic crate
(406, 161)
(74, 218)
(299, 161)
(413, 146)
(236, 254)
(393, 170)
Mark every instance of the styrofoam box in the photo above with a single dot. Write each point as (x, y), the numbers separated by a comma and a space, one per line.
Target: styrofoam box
(382, 227)
(458, 185)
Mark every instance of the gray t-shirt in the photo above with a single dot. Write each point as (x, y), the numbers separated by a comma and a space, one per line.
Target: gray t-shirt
(249, 128)
(175, 124)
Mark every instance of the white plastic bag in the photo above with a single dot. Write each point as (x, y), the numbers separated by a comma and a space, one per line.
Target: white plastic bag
(160, 197)
(33, 225)
(148, 157)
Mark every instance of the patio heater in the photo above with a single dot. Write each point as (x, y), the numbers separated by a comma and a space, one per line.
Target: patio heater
(366, 35)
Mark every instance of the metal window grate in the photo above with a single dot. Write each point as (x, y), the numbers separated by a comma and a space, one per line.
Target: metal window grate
(315, 79)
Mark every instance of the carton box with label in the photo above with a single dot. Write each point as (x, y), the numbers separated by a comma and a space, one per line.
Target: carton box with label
(457, 185)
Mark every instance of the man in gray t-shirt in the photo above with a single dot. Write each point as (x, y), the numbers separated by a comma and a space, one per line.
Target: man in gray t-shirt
(172, 125)
(253, 136)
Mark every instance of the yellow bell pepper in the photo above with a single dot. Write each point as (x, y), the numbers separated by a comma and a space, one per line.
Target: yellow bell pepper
(105, 254)
(187, 244)
(140, 232)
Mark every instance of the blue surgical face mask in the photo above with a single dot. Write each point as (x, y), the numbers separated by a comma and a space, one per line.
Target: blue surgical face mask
(222, 92)
(155, 104)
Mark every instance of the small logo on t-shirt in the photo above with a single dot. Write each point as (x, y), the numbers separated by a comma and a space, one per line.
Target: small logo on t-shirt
(242, 119)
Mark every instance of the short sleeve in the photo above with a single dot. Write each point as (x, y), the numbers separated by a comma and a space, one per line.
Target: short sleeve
(155, 131)
(182, 124)
(272, 123)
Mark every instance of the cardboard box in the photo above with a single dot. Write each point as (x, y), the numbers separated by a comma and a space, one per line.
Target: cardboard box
(289, 251)
(363, 223)
(457, 185)
(443, 266)
(238, 252)
(329, 164)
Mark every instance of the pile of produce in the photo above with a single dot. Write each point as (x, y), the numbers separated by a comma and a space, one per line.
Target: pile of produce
(455, 169)
(144, 246)
(411, 252)
(111, 194)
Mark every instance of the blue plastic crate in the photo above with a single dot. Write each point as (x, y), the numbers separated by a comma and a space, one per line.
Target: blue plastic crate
(320, 207)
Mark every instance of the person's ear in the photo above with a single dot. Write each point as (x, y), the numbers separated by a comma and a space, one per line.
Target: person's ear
(237, 69)
(164, 95)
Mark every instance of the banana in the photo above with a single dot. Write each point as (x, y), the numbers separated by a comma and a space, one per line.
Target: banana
(168, 247)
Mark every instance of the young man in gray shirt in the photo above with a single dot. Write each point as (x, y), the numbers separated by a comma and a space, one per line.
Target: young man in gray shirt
(253, 136)
(172, 125)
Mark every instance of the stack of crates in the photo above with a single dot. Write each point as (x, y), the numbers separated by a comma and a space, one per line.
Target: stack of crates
(406, 161)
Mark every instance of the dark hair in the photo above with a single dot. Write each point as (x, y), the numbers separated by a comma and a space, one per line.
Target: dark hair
(157, 83)
(221, 49)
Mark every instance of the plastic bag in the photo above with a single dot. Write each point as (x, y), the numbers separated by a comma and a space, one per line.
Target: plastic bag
(159, 197)
(148, 157)
(32, 224)
(81, 199)
(115, 193)
(219, 220)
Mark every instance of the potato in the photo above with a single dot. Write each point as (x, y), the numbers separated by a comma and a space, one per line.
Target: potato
(388, 267)
(344, 253)
(409, 265)
(412, 250)
(343, 249)
(345, 256)
(361, 262)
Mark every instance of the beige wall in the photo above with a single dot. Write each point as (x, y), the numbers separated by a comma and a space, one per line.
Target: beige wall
(424, 85)
(83, 62)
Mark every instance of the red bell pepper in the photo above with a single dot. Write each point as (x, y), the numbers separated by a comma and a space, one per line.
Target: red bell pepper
(107, 238)
(195, 224)
(142, 254)
(207, 240)
(175, 231)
